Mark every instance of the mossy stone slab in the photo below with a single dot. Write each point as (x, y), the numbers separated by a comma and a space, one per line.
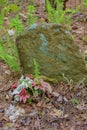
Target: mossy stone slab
(55, 51)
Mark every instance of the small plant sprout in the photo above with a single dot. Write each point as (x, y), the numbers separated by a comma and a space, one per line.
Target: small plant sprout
(75, 101)
(70, 82)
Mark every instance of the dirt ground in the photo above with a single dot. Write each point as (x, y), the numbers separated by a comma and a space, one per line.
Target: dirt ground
(65, 108)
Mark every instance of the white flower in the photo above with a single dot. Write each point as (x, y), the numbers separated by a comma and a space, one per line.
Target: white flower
(24, 83)
(11, 32)
(16, 98)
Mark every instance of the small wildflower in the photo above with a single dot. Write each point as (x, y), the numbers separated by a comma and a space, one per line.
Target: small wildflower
(23, 96)
(34, 84)
(17, 98)
(14, 86)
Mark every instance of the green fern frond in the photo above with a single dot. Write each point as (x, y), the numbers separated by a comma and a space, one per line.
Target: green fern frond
(31, 17)
(36, 69)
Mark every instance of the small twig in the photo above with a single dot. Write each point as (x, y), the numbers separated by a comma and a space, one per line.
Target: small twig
(2, 90)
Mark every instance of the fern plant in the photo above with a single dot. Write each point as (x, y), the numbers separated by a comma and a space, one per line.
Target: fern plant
(9, 57)
(50, 11)
(57, 16)
(85, 3)
(31, 17)
(3, 2)
(16, 24)
(2, 18)
(36, 69)
(59, 13)
(11, 7)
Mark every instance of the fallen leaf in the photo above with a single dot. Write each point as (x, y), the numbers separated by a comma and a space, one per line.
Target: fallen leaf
(58, 113)
(55, 94)
(48, 88)
(39, 104)
(9, 124)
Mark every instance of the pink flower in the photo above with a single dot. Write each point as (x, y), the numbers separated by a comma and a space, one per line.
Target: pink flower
(14, 85)
(23, 96)
(34, 84)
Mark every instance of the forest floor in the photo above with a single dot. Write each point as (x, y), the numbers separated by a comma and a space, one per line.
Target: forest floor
(65, 108)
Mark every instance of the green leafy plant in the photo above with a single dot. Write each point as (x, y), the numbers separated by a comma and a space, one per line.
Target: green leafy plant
(59, 15)
(2, 18)
(85, 3)
(50, 11)
(75, 101)
(16, 24)
(11, 7)
(8, 57)
(5, 2)
(31, 17)
(36, 69)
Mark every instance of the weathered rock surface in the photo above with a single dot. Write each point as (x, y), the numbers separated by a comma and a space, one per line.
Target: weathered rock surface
(55, 51)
